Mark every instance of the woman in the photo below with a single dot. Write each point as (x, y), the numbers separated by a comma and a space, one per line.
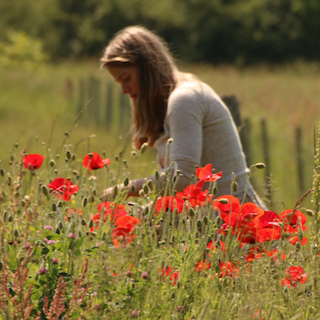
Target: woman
(167, 103)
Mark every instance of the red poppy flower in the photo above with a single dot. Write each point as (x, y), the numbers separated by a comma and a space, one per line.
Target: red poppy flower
(170, 273)
(294, 220)
(205, 173)
(33, 161)
(111, 211)
(294, 239)
(63, 188)
(194, 194)
(273, 254)
(122, 234)
(95, 162)
(123, 231)
(294, 275)
(228, 269)
(168, 202)
(200, 266)
(213, 246)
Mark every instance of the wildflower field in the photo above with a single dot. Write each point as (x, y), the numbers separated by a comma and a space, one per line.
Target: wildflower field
(68, 253)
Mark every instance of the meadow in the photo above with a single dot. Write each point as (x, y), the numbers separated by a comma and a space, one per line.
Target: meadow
(67, 254)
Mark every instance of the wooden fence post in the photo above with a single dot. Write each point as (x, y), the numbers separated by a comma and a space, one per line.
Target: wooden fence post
(109, 107)
(233, 105)
(299, 160)
(265, 146)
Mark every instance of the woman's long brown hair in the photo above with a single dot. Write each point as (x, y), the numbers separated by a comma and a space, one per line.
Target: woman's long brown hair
(157, 78)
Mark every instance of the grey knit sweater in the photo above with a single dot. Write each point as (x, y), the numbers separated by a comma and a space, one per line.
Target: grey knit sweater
(203, 132)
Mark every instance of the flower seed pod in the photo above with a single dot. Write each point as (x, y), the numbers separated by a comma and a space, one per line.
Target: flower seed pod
(144, 147)
(234, 186)
(214, 190)
(52, 163)
(145, 189)
(218, 220)
(5, 216)
(191, 212)
(45, 190)
(260, 165)
(224, 200)
(310, 212)
(84, 202)
(126, 182)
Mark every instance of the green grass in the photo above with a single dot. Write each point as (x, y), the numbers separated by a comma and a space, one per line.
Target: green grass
(37, 107)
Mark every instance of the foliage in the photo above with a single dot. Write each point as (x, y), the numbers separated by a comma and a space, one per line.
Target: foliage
(81, 257)
(241, 32)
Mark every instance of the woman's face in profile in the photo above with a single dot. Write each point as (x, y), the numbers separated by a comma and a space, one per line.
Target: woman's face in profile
(127, 76)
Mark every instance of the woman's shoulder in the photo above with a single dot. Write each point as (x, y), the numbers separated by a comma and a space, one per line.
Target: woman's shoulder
(190, 89)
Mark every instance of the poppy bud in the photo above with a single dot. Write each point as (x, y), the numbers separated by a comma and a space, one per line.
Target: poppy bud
(58, 231)
(310, 212)
(143, 148)
(54, 207)
(91, 198)
(191, 212)
(260, 165)
(52, 163)
(2, 172)
(224, 200)
(205, 220)
(234, 186)
(156, 175)
(141, 193)
(133, 188)
(146, 211)
(125, 163)
(84, 202)
(83, 222)
(104, 236)
(1, 265)
(145, 189)
(16, 233)
(115, 190)
(298, 246)
(199, 224)
(218, 220)
(5, 216)
(126, 182)
(10, 218)
(60, 225)
(45, 190)
(173, 294)
(91, 224)
(79, 234)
